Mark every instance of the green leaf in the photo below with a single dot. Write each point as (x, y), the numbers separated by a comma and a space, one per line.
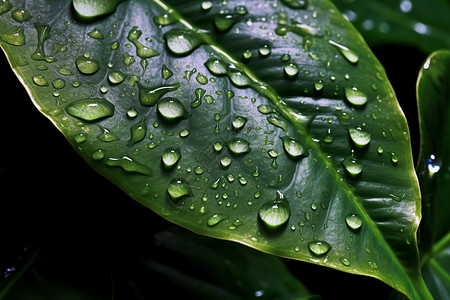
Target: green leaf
(268, 124)
(433, 96)
(421, 23)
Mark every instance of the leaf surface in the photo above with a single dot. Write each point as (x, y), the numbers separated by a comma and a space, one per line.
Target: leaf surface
(271, 124)
(433, 96)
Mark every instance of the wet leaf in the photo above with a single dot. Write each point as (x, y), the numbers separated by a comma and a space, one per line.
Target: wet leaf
(311, 137)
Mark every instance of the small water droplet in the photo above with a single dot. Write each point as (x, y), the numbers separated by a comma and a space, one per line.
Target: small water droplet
(96, 34)
(178, 189)
(87, 65)
(15, 37)
(394, 158)
(293, 147)
(380, 150)
(217, 146)
(319, 248)
(350, 55)
(40, 80)
(275, 213)
(132, 113)
(241, 10)
(225, 161)
(170, 157)
(166, 72)
(58, 83)
(239, 122)
(352, 166)
(201, 79)
(372, 264)
(353, 221)
(345, 261)
(247, 54)
(291, 69)
(215, 219)
(264, 50)
(318, 85)
(238, 77)
(277, 122)
(355, 96)
(359, 136)
(265, 109)
(116, 77)
(98, 155)
(107, 135)
(239, 146)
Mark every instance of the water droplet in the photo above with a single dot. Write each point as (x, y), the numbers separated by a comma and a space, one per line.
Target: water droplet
(40, 80)
(380, 150)
(5, 6)
(141, 50)
(166, 72)
(247, 54)
(178, 189)
(353, 221)
(217, 146)
(89, 10)
(91, 109)
(198, 170)
(355, 96)
(239, 146)
(350, 55)
(434, 164)
(128, 164)
(359, 136)
(241, 10)
(58, 83)
(277, 122)
(148, 96)
(96, 34)
(132, 113)
(265, 109)
(201, 79)
(239, 122)
(206, 5)
(394, 158)
(216, 66)
(372, 264)
(224, 22)
(215, 219)
(264, 50)
(182, 42)
(87, 65)
(170, 157)
(107, 135)
(225, 161)
(291, 69)
(319, 248)
(138, 131)
(171, 109)
(293, 147)
(98, 155)
(275, 213)
(21, 15)
(318, 85)
(199, 92)
(296, 4)
(16, 37)
(238, 77)
(167, 18)
(352, 166)
(43, 34)
(184, 133)
(116, 77)
(345, 262)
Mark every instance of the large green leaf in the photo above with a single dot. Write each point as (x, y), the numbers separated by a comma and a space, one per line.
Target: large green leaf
(289, 141)
(422, 23)
(433, 96)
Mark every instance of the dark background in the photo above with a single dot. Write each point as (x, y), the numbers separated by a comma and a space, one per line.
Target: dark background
(86, 227)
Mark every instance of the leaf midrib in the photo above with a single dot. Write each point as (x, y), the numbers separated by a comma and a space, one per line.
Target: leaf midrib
(289, 114)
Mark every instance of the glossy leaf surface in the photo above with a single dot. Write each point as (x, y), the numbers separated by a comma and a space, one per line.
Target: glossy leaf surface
(421, 23)
(267, 123)
(433, 94)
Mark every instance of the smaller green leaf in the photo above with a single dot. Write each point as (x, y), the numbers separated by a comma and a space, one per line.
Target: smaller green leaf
(433, 96)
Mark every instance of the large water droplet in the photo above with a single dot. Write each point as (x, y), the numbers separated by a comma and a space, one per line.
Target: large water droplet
(43, 31)
(89, 10)
(275, 213)
(170, 157)
(352, 166)
(264, 50)
(239, 122)
(238, 77)
(116, 77)
(91, 109)
(224, 22)
(293, 147)
(128, 164)
(291, 69)
(353, 221)
(239, 146)
(178, 189)
(21, 15)
(359, 136)
(350, 55)
(148, 96)
(87, 65)
(216, 66)
(319, 248)
(355, 96)
(182, 42)
(171, 109)
(16, 37)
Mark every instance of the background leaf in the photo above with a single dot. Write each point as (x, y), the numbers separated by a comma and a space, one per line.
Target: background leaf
(147, 182)
(433, 96)
(422, 24)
